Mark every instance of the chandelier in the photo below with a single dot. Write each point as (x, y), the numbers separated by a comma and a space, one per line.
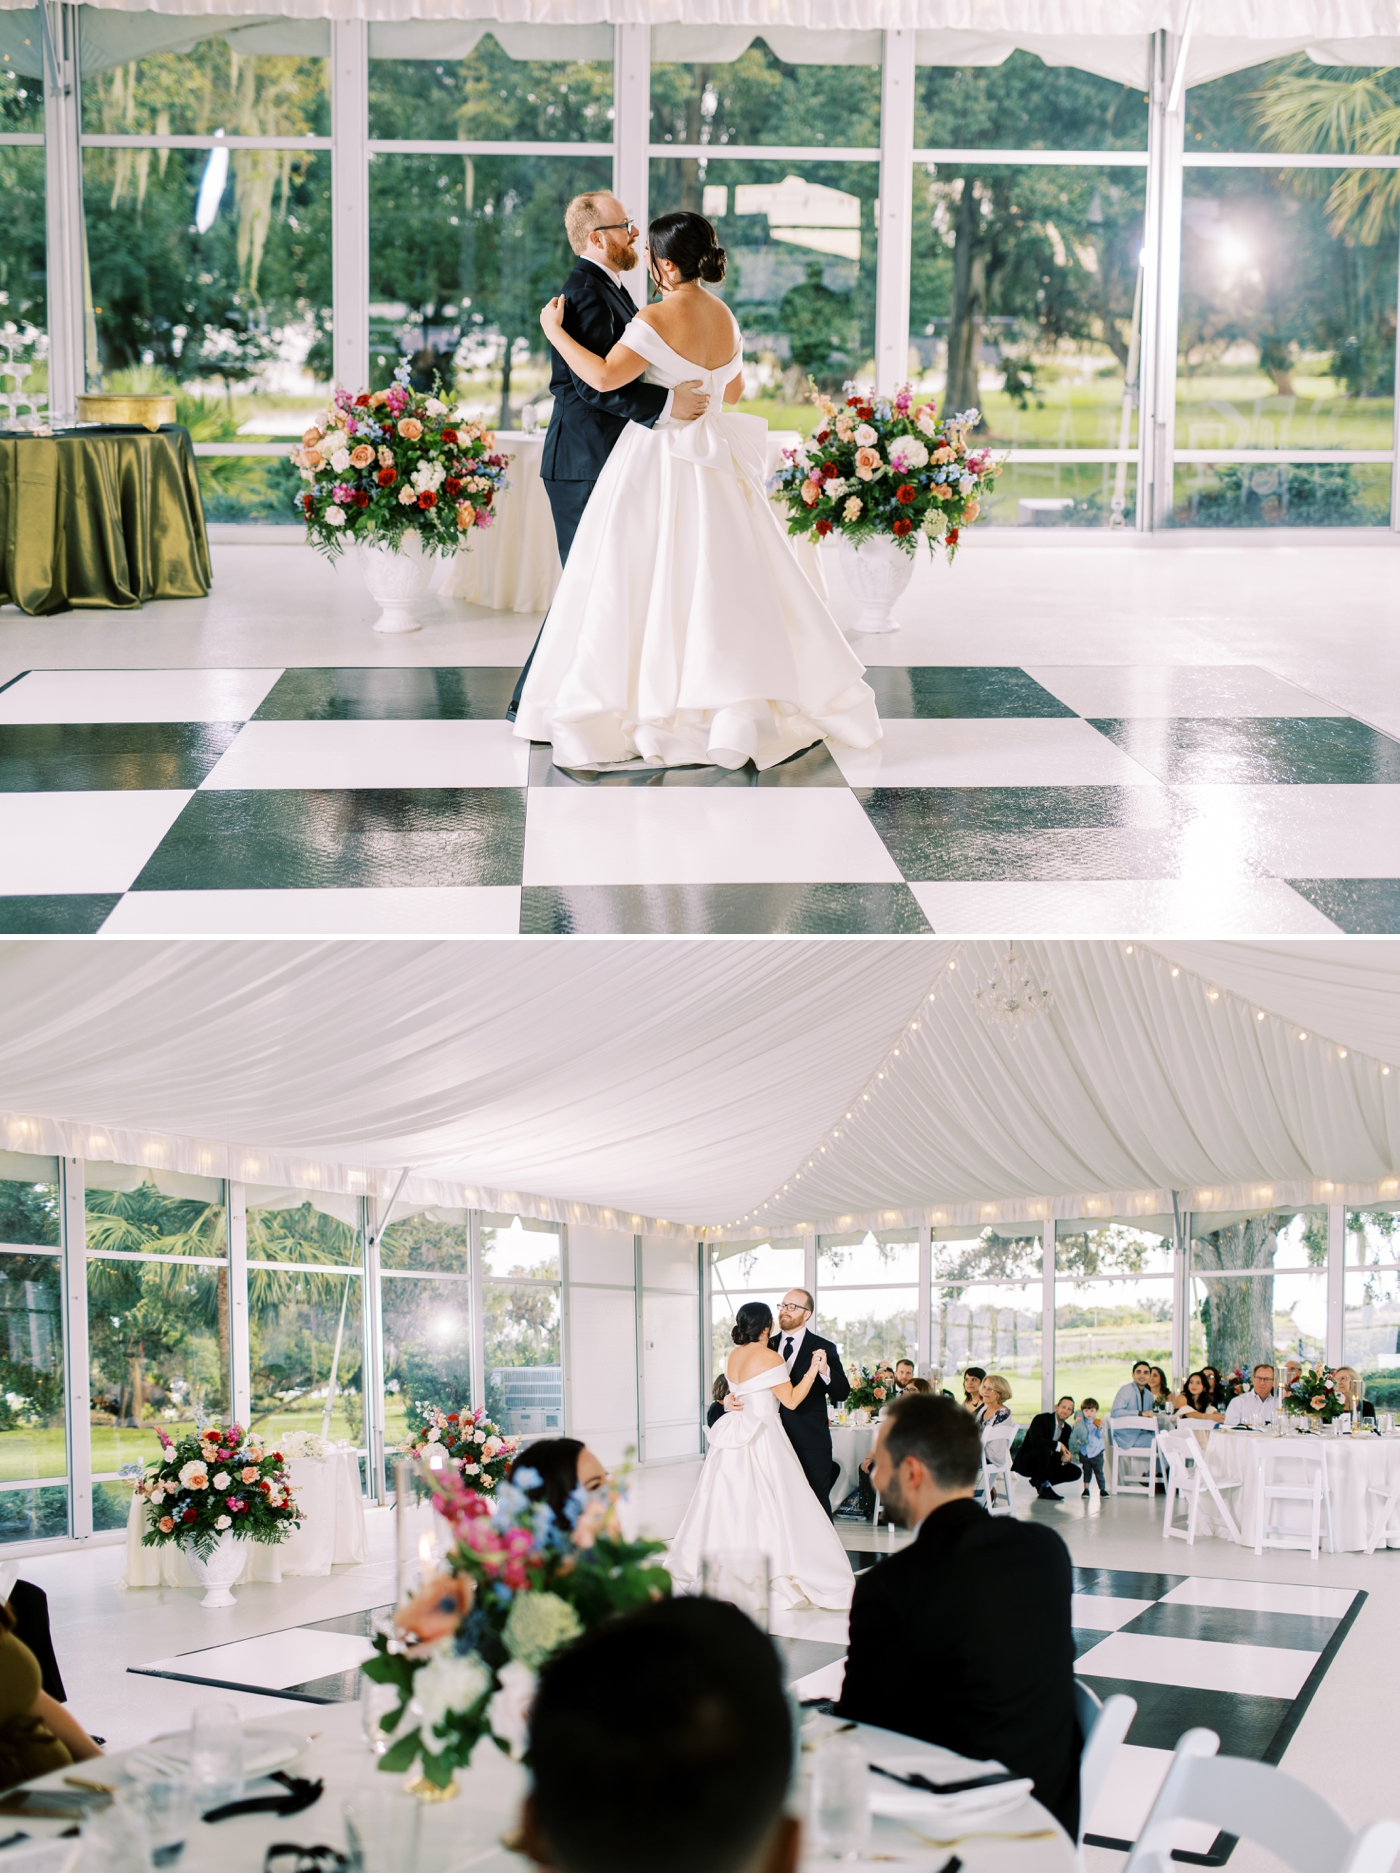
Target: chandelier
(1011, 995)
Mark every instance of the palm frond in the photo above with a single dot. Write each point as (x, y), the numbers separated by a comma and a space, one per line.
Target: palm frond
(1300, 111)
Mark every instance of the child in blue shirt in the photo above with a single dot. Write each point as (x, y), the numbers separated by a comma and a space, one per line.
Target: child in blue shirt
(1086, 1440)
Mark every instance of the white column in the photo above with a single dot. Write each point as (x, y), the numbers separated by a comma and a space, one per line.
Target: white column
(77, 1385)
(1181, 1292)
(239, 1343)
(810, 1264)
(477, 1317)
(632, 133)
(372, 1373)
(1161, 283)
(63, 197)
(1395, 426)
(566, 1361)
(1336, 1281)
(895, 213)
(639, 1327)
(923, 1351)
(1047, 1314)
(350, 202)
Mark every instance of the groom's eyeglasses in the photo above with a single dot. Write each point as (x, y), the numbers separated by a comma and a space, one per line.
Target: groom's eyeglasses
(609, 227)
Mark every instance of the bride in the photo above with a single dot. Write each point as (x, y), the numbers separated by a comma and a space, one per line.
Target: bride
(684, 629)
(753, 1492)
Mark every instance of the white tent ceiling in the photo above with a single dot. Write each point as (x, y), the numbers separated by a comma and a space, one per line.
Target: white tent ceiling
(748, 1086)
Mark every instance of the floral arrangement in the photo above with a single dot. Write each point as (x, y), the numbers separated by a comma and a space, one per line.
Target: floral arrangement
(214, 1482)
(880, 468)
(870, 1391)
(1314, 1395)
(479, 1449)
(466, 1651)
(304, 1444)
(387, 463)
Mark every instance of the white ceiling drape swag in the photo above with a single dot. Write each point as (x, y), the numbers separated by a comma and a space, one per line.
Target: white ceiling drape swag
(687, 1086)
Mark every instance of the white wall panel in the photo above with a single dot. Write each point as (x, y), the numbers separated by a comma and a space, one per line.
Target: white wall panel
(603, 1367)
(667, 1264)
(671, 1375)
(600, 1254)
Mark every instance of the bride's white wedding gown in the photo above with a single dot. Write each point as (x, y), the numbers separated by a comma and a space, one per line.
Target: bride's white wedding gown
(684, 629)
(753, 1494)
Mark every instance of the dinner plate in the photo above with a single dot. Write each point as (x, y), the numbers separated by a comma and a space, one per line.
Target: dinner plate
(263, 1750)
(973, 1806)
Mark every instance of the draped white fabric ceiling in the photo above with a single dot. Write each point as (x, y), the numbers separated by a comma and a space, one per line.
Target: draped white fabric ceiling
(685, 1085)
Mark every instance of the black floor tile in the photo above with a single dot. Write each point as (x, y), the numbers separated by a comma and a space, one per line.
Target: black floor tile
(337, 1687)
(92, 757)
(58, 914)
(1124, 1584)
(935, 833)
(721, 910)
(1359, 906)
(1165, 1712)
(300, 838)
(1240, 750)
(1228, 1625)
(360, 1624)
(810, 767)
(801, 1656)
(963, 691)
(369, 694)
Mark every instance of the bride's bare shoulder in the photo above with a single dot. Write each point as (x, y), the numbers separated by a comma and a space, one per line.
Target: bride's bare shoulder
(746, 1362)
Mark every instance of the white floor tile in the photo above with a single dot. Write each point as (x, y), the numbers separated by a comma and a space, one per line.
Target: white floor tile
(136, 695)
(701, 835)
(1101, 1612)
(76, 842)
(374, 754)
(1296, 831)
(814, 1623)
(274, 1660)
(1250, 1670)
(451, 910)
(1127, 1798)
(1000, 751)
(1264, 1596)
(825, 1681)
(1112, 907)
(1158, 689)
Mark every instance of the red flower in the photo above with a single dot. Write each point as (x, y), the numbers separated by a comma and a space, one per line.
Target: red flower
(952, 536)
(484, 500)
(830, 472)
(454, 1417)
(427, 498)
(361, 498)
(449, 435)
(362, 401)
(188, 1515)
(823, 526)
(852, 403)
(905, 494)
(308, 501)
(454, 488)
(901, 527)
(821, 435)
(865, 412)
(387, 477)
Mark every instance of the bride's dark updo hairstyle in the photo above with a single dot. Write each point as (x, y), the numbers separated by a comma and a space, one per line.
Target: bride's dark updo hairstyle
(754, 1320)
(688, 241)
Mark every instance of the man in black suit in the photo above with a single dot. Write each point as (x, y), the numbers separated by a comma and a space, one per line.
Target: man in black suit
(965, 1632)
(586, 423)
(1044, 1458)
(808, 1431)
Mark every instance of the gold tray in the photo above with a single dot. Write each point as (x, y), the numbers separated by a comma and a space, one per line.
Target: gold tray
(147, 411)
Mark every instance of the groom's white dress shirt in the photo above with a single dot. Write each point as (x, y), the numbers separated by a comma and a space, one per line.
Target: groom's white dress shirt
(616, 279)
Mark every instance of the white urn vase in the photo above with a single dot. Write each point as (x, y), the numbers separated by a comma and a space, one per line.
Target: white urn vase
(396, 578)
(876, 574)
(217, 1573)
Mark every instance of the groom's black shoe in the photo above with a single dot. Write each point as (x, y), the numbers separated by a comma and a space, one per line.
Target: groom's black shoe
(1046, 1494)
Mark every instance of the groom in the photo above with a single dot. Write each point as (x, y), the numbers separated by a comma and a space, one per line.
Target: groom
(586, 423)
(808, 1431)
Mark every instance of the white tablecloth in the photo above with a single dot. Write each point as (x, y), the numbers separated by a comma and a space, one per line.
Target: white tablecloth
(514, 564)
(850, 1443)
(333, 1534)
(1354, 1464)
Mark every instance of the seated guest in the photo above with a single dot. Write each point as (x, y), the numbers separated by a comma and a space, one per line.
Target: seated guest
(662, 1739)
(920, 1385)
(1353, 1391)
(1044, 1458)
(903, 1374)
(1292, 1372)
(1086, 1440)
(1194, 1400)
(1257, 1406)
(563, 1465)
(1134, 1400)
(996, 1425)
(719, 1391)
(972, 1389)
(36, 1733)
(1219, 1396)
(1161, 1391)
(977, 1605)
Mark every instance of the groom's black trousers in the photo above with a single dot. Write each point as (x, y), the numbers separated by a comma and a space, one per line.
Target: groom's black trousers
(812, 1444)
(567, 500)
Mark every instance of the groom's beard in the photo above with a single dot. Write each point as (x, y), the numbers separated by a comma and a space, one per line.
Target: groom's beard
(621, 258)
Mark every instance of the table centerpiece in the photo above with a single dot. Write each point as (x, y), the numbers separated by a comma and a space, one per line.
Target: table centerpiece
(397, 474)
(1314, 1396)
(882, 474)
(478, 1449)
(211, 1490)
(519, 1583)
(869, 1392)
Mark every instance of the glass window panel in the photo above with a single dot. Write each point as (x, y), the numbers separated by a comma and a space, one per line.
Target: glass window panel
(32, 1442)
(892, 1255)
(1373, 1237)
(1023, 104)
(800, 243)
(1287, 337)
(1111, 1249)
(23, 264)
(1371, 1334)
(111, 1505)
(21, 73)
(871, 1326)
(40, 1514)
(524, 1374)
(1271, 1239)
(145, 1222)
(764, 1272)
(303, 1234)
(306, 1350)
(29, 1212)
(427, 1349)
(210, 87)
(419, 1242)
(994, 1326)
(1282, 105)
(757, 98)
(1103, 1328)
(1281, 494)
(516, 1250)
(463, 253)
(1254, 1317)
(490, 98)
(158, 1349)
(987, 1256)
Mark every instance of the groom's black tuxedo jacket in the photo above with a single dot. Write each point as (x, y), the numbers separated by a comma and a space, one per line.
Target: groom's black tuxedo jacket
(813, 1406)
(979, 1606)
(587, 423)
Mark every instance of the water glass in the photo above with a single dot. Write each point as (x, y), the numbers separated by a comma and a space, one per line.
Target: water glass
(376, 1701)
(216, 1755)
(739, 1575)
(115, 1840)
(841, 1799)
(166, 1806)
(381, 1830)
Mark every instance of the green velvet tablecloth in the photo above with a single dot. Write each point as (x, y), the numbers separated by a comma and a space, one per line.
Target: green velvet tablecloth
(100, 519)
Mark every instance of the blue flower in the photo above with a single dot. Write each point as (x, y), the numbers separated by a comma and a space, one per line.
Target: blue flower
(527, 1479)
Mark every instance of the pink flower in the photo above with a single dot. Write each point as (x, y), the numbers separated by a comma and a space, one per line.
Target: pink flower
(484, 519)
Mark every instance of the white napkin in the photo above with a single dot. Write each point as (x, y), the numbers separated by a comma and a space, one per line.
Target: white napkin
(901, 1803)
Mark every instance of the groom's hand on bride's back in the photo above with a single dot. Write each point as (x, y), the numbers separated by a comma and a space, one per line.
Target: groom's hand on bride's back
(689, 401)
(732, 1403)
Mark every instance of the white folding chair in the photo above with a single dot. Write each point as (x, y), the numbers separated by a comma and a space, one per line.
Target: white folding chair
(1383, 1519)
(1296, 1454)
(1102, 1728)
(1187, 1474)
(1125, 1459)
(996, 1471)
(1257, 1803)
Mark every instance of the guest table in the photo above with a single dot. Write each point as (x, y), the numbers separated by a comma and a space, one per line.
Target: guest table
(100, 519)
(333, 1534)
(850, 1444)
(1354, 1465)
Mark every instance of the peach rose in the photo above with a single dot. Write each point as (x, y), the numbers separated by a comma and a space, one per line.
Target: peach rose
(466, 514)
(811, 492)
(361, 456)
(312, 458)
(248, 1476)
(380, 397)
(867, 461)
(166, 1524)
(410, 428)
(972, 510)
(434, 1611)
(311, 436)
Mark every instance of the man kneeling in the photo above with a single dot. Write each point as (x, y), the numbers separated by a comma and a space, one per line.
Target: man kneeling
(662, 1740)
